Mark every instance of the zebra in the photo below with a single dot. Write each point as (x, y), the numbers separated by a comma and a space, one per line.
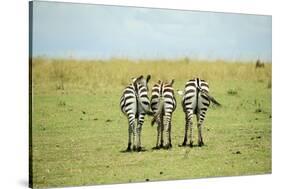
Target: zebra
(163, 104)
(259, 64)
(196, 100)
(135, 105)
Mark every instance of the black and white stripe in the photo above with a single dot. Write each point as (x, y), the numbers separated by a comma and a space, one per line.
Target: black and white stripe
(135, 105)
(196, 100)
(163, 104)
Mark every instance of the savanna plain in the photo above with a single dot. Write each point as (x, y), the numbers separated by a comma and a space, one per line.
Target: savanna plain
(78, 133)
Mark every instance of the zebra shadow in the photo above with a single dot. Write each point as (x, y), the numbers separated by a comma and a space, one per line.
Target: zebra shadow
(159, 148)
(193, 146)
(132, 151)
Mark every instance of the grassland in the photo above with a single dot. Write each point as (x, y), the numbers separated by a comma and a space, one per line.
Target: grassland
(79, 132)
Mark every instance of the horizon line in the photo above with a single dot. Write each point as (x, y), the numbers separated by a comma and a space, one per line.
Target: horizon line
(185, 58)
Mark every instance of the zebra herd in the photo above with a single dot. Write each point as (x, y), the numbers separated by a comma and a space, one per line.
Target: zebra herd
(135, 104)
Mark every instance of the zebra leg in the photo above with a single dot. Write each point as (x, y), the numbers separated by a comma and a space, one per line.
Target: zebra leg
(158, 136)
(185, 131)
(189, 126)
(190, 133)
(200, 127)
(138, 144)
(138, 131)
(130, 130)
(200, 136)
(131, 124)
(167, 129)
(162, 131)
(170, 128)
(134, 137)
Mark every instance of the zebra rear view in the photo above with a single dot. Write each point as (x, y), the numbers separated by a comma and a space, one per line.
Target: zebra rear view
(135, 105)
(163, 104)
(196, 100)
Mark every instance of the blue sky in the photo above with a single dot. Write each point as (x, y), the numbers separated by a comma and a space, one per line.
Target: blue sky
(98, 31)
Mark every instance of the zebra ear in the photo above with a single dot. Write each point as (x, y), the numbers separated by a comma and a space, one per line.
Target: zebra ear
(172, 82)
(139, 78)
(148, 78)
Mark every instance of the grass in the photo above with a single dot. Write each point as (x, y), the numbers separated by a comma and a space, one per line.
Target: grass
(79, 132)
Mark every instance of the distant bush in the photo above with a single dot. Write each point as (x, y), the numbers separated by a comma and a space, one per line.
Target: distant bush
(232, 92)
(186, 60)
(258, 110)
(258, 106)
(269, 84)
(61, 103)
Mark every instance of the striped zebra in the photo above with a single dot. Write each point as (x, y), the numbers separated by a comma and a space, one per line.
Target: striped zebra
(163, 104)
(135, 104)
(196, 100)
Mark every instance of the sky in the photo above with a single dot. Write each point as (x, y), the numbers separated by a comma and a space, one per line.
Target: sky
(102, 32)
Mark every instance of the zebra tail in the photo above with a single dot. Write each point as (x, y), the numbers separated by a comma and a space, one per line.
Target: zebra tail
(212, 99)
(147, 111)
(159, 111)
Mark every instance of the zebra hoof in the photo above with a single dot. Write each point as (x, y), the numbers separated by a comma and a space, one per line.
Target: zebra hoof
(134, 148)
(139, 149)
(156, 148)
(184, 143)
(201, 143)
(129, 147)
(191, 144)
(167, 146)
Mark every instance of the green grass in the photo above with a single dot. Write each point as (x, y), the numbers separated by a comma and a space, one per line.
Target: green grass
(79, 132)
